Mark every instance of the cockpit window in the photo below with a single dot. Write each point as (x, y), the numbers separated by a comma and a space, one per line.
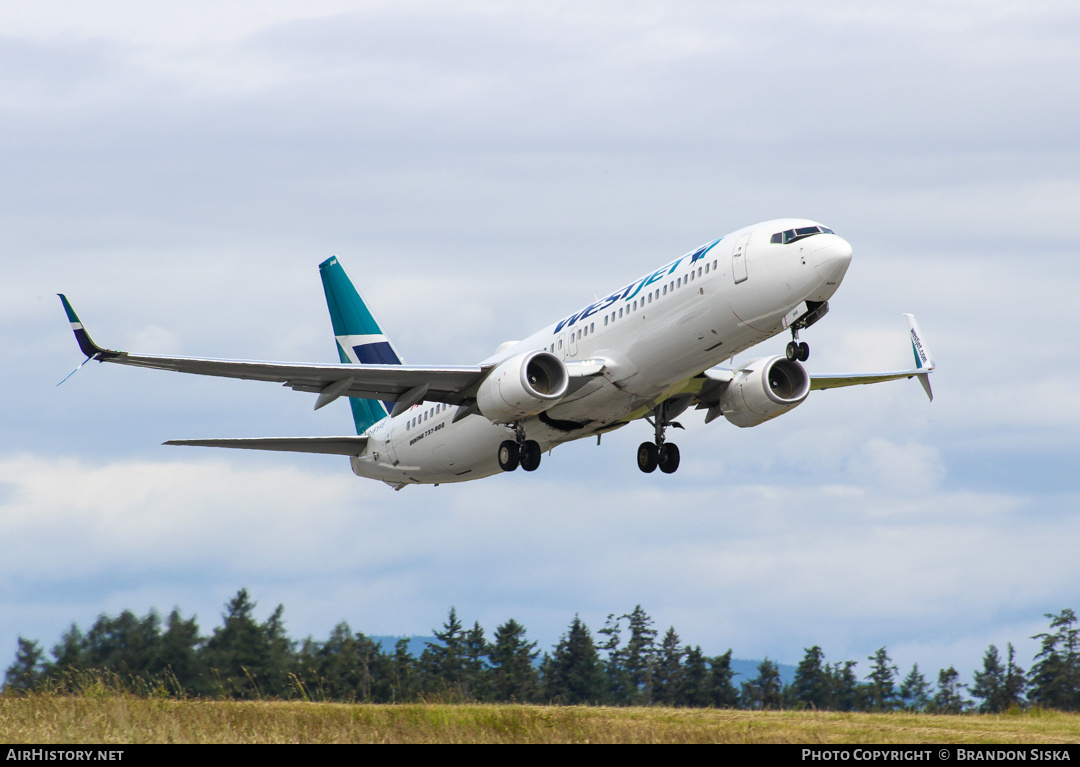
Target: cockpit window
(791, 235)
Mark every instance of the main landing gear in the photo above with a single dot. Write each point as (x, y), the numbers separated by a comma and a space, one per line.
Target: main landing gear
(659, 453)
(520, 452)
(795, 350)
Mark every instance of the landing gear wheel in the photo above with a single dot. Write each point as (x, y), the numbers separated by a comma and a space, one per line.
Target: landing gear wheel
(530, 455)
(792, 350)
(647, 457)
(508, 455)
(669, 458)
(804, 352)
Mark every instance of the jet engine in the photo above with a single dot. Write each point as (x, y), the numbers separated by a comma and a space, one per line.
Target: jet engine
(522, 386)
(764, 389)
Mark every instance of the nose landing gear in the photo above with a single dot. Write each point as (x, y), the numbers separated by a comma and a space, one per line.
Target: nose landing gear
(795, 350)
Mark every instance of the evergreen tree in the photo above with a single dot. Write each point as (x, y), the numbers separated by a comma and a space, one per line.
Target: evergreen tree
(347, 667)
(915, 690)
(812, 688)
(846, 691)
(246, 659)
(639, 656)
(1016, 682)
(442, 664)
(616, 679)
(514, 677)
(404, 674)
(279, 651)
(1055, 677)
(722, 690)
(475, 668)
(765, 691)
(695, 688)
(949, 698)
(179, 653)
(125, 645)
(573, 674)
(881, 692)
(999, 686)
(68, 655)
(669, 672)
(28, 667)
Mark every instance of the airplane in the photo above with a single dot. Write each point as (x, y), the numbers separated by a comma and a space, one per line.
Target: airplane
(649, 350)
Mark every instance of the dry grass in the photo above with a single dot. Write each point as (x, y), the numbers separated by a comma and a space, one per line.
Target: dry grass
(117, 718)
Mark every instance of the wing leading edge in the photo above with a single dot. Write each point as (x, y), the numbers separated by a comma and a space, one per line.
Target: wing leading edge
(393, 383)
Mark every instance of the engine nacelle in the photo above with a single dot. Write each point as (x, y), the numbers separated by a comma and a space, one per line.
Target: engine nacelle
(764, 389)
(522, 386)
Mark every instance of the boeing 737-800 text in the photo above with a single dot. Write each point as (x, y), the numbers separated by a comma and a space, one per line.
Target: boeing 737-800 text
(648, 350)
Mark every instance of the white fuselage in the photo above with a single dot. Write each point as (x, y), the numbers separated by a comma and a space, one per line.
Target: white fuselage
(652, 336)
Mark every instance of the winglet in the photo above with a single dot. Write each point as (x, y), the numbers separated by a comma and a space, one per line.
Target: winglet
(89, 348)
(923, 359)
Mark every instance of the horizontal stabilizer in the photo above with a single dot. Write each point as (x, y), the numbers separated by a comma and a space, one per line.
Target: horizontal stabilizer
(329, 445)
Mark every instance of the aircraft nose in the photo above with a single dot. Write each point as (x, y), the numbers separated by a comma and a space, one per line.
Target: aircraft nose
(831, 256)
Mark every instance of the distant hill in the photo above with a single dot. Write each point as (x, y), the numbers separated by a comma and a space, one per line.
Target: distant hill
(747, 670)
(416, 644)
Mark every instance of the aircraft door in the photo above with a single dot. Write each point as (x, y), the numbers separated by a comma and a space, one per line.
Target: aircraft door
(738, 259)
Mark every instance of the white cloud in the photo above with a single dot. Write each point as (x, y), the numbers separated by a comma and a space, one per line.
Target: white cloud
(762, 569)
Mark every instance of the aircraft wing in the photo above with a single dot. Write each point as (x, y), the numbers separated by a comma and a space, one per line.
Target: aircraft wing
(706, 388)
(924, 365)
(327, 445)
(836, 380)
(390, 383)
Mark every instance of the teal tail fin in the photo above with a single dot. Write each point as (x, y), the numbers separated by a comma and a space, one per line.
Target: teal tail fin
(360, 340)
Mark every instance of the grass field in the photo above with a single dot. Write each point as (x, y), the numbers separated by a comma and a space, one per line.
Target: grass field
(118, 718)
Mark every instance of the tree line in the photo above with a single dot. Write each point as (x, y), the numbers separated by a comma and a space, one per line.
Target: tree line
(626, 664)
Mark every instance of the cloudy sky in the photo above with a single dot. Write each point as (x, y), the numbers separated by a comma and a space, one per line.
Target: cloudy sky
(483, 170)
